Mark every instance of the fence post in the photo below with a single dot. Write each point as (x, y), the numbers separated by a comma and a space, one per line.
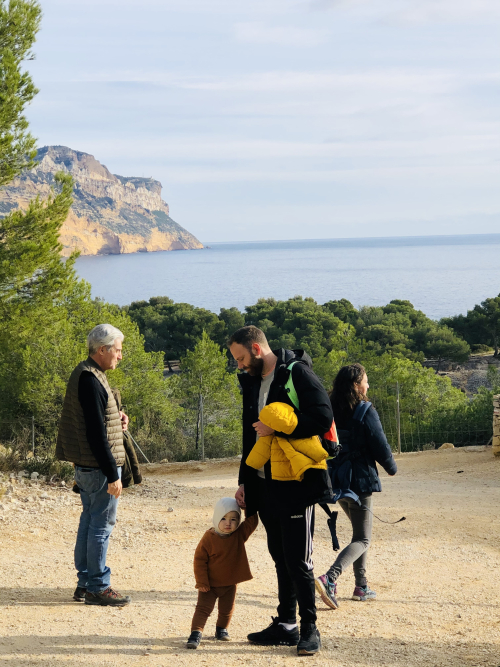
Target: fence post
(398, 418)
(202, 434)
(496, 425)
(197, 424)
(33, 433)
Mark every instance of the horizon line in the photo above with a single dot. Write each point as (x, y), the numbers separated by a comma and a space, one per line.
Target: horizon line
(359, 238)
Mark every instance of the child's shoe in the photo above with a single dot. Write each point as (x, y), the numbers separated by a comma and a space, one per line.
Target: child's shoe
(363, 593)
(194, 639)
(222, 634)
(328, 590)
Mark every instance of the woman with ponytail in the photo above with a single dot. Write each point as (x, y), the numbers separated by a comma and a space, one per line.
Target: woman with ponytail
(363, 446)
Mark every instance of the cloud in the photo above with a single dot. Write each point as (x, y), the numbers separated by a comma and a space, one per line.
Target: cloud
(379, 82)
(432, 151)
(418, 82)
(416, 12)
(260, 33)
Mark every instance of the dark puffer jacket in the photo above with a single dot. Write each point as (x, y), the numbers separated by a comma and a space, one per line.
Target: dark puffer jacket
(363, 445)
(131, 471)
(314, 418)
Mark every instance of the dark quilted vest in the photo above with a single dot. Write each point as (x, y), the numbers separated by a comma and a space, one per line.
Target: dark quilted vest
(72, 442)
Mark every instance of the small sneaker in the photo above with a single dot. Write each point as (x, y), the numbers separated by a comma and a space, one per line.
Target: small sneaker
(363, 593)
(310, 640)
(328, 590)
(222, 634)
(275, 635)
(79, 594)
(194, 639)
(108, 597)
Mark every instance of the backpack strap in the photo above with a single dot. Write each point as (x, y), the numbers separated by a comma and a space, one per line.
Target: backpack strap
(289, 387)
(332, 525)
(361, 410)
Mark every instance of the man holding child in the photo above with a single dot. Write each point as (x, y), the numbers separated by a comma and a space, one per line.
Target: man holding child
(286, 508)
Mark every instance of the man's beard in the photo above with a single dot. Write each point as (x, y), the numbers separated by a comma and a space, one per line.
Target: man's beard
(256, 365)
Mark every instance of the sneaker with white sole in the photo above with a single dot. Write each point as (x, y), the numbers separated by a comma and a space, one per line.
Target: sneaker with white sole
(363, 593)
(328, 590)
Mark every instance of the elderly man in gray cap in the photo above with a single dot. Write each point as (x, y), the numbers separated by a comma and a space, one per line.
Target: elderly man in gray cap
(91, 436)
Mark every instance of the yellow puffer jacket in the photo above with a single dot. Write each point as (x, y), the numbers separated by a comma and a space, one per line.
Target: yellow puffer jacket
(290, 458)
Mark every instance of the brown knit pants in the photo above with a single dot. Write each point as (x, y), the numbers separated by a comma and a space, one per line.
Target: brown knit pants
(206, 603)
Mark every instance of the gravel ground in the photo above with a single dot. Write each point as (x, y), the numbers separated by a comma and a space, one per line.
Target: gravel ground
(436, 574)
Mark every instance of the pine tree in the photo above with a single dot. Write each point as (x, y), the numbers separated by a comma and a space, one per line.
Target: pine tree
(31, 268)
(19, 24)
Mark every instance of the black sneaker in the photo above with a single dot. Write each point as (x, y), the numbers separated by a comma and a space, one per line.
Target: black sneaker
(194, 639)
(310, 640)
(275, 635)
(108, 597)
(79, 594)
(222, 634)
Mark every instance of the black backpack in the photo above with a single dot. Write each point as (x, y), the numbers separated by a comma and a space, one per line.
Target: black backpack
(343, 463)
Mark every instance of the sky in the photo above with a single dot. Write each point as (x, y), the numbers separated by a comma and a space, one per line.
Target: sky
(284, 119)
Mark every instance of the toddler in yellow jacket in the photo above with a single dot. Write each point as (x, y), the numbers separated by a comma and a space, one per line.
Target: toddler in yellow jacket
(290, 457)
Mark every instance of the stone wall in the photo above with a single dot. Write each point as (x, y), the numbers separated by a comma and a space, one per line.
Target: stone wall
(496, 425)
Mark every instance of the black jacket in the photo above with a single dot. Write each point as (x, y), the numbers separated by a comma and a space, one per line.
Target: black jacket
(131, 471)
(314, 418)
(363, 446)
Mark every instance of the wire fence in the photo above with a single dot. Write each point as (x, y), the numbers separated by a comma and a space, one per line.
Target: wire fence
(410, 426)
(408, 423)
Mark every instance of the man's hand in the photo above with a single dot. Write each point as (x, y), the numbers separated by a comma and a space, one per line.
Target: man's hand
(240, 497)
(125, 420)
(115, 488)
(262, 429)
(204, 589)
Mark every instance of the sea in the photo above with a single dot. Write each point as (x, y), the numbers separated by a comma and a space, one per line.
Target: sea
(440, 275)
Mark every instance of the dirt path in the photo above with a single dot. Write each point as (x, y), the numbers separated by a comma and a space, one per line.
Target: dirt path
(436, 575)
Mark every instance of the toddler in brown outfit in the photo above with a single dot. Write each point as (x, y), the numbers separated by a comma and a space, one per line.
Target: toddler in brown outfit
(220, 563)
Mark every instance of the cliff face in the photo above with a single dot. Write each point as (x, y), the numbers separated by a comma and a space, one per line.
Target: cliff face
(110, 214)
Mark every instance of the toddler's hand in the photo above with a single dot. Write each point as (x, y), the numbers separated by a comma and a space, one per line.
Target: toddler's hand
(262, 429)
(204, 589)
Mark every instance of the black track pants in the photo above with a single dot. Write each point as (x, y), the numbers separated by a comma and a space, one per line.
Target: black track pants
(289, 540)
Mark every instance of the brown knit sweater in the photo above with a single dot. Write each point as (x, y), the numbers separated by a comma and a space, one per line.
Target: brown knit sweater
(222, 561)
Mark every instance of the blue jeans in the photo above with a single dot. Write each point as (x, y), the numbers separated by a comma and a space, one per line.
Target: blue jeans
(97, 521)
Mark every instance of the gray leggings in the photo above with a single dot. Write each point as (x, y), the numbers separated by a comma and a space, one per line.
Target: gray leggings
(355, 553)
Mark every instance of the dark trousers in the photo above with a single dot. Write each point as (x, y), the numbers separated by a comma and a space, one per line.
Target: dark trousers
(206, 603)
(289, 540)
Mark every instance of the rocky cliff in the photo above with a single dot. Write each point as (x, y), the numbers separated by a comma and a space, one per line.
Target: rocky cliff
(110, 214)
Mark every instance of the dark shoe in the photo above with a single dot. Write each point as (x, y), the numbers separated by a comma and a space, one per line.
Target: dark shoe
(328, 590)
(194, 639)
(108, 597)
(222, 634)
(79, 594)
(310, 640)
(275, 635)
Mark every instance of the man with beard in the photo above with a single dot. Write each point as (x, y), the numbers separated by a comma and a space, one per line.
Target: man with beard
(286, 508)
